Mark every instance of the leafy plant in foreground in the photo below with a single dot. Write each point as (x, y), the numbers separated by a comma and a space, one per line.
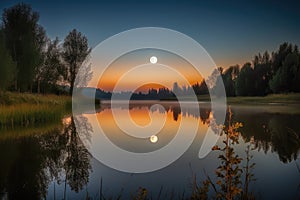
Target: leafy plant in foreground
(229, 172)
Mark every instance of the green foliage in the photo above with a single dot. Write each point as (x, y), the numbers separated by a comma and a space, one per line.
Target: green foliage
(286, 99)
(7, 66)
(286, 78)
(52, 70)
(75, 51)
(245, 80)
(279, 73)
(24, 40)
(26, 114)
(262, 74)
(200, 89)
(229, 78)
(32, 62)
(279, 56)
(10, 98)
(26, 109)
(229, 172)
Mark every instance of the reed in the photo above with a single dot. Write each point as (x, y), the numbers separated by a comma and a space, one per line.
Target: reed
(28, 114)
(23, 110)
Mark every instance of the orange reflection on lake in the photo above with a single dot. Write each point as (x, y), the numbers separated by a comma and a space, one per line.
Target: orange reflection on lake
(140, 115)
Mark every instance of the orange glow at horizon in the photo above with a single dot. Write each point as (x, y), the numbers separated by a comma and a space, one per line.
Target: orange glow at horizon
(156, 78)
(110, 78)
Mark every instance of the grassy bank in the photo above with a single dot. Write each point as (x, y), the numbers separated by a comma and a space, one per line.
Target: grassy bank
(10, 98)
(292, 98)
(18, 109)
(284, 99)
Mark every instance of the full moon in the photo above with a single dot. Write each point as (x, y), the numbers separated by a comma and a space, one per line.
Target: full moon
(153, 59)
(153, 139)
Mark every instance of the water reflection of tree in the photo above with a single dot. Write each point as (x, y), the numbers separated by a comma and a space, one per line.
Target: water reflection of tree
(77, 162)
(203, 112)
(30, 163)
(273, 132)
(286, 142)
(27, 179)
(176, 111)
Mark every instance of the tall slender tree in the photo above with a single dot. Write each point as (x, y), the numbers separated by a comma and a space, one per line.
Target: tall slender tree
(245, 80)
(262, 73)
(229, 77)
(75, 51)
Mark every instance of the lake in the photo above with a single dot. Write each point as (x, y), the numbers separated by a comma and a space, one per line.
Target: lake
(52, 162)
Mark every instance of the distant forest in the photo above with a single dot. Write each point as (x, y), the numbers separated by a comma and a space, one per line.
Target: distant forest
(278, 72)
(157, 94)
(31, 62)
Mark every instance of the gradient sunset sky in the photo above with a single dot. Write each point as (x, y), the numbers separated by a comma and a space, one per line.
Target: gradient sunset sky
(141, 71)
(231, 31)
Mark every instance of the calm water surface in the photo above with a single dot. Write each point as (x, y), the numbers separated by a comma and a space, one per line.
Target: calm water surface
(51, 161)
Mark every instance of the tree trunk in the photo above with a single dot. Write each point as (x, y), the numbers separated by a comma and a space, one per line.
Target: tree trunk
(38, 87)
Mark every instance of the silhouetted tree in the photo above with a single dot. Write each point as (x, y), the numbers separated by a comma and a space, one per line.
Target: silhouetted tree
(229, 77)
(164, 93)
(279, 56)
(286, 69)
(51, 71)
(7, 66)
(77, 163)
(75, 51)
(262, 73)
(176, 112)
(245, 81)
(277, 73)
(25, 39)
(201, 88)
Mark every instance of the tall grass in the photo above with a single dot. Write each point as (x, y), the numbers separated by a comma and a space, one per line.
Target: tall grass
(28, 109)
(11, 98)
(28, 114)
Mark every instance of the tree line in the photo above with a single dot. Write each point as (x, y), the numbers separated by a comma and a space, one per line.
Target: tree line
(157, 93)
(278, 72)
(30, 61)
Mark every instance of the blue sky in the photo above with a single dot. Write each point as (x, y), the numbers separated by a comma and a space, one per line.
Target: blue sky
(231, 31)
